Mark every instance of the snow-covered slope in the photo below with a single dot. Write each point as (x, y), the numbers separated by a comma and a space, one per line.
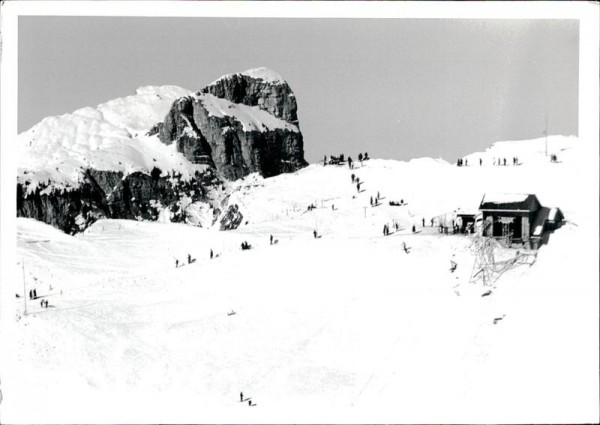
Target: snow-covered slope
(252, 118)
(347, 327)
(110, 137)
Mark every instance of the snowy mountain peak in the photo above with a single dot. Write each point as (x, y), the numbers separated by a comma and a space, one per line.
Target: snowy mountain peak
(265, 74)
(261, 73)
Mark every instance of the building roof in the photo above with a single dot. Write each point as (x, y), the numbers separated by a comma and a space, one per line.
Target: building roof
(509, 202)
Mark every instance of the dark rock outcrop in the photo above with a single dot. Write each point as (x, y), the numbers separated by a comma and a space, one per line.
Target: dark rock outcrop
(224, 138)
(240, 124)
(109, 194)
(276, 98)
(232, 218)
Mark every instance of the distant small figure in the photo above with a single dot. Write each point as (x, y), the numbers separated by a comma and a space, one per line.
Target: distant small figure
(480, 162)
(453, 266)
(353, 176)
(366, 156)
(249, 402)
(42, 303)
(378, 197)
(358, 187)
(371, 201)
(332, 207)
(325, 160)
(189, 258)
(423, 222)
(360, 157)
(505, 161)
(34, 293)
(30, 294)
(241, 397)
(406, 248)
(315, 234)
(271, 240)
(466, 162)
(46, 303)
(414, 229)
(211, 254)
(176, 263)
(432, 222)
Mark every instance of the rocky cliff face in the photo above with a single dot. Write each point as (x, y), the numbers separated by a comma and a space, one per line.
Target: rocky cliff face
(112, 162)
(109, 194)
(261, 88)
(240, 124)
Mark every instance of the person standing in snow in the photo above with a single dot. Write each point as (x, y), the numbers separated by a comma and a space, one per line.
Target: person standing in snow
(189, 259)
(423, 222)
(176, 263)
(271, 240)
(349, 162)
(241, 397)
(352, 176)
(360, 158)
(34, 293)
(30, 294)
(315, 234)
(371, 201)
(480, 162)
(211, 254)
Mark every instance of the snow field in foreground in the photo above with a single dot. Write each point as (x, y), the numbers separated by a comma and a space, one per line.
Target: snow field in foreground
(344, 327)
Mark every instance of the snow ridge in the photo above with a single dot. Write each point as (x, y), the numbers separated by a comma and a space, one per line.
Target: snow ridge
(261, 73)
(110, 137)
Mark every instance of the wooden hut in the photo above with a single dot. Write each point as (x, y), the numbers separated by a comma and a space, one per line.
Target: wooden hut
(518, 218)
(509, 216)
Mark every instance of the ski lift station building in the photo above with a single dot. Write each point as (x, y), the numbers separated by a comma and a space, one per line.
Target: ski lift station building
(518, 218)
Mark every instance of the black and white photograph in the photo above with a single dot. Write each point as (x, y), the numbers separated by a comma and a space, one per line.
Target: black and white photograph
(299, 212)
